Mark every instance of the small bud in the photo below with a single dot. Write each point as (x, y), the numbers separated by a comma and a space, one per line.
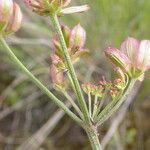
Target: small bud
(66, 33)
(57, 62)
(75, 41)
(87, 88)
(77, 37)
(6, 8)
(57, 77)
(105, 84)
(14, 21)
(98, 91)
(114, 93)
(93, 89)
(119, 84)
(118, 59)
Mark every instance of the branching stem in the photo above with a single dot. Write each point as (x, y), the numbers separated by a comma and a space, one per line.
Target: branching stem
(70, 68)
(19, 64)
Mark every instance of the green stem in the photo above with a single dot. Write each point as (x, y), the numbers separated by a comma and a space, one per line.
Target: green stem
(114, 105)
(70, 68)
(101, 104)
(93, 138)
(95, 106)
(37, 82)
(72, 103)
(90, 104)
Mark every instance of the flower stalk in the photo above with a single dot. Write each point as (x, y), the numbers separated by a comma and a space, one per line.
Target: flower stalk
(38, 83)
(93, 138)
(70, 68)
(131, 61)
(115, 104)
(69, 98)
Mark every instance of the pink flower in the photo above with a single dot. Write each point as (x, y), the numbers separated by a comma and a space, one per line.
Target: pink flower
(144, 55)
(75, 40)
(78, 36)
(6, 8)
(15, 20)
(133, 56)
(10, 17)
(49, 7)
(138, 52)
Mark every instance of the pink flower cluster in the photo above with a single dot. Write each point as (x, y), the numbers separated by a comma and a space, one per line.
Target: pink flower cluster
(132, 58)
(10, 17)
(75, 41)
(49, 7)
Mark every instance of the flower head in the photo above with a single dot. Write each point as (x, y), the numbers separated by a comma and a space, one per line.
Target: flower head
(97, 90)
(133, 56)
(14, 21)
(6, 8)
(77, 37)
(75, 40)
(49, 7)
(10, 17)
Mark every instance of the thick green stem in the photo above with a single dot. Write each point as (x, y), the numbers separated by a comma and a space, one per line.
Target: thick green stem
(70, 68)
(37, 82)
(93, 138)
(113, 106)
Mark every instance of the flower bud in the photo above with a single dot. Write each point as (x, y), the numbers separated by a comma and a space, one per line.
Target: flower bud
(66, 33)
(15, 20)
(119, 84)
(77, 37)
(87, 88)
(57, 62)
(57, 77)
(114, 93)
(93, 89)
(75, 40)
(118, 59)
(6, 8)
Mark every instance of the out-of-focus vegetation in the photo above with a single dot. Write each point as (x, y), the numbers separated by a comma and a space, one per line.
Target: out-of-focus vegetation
(24, 109)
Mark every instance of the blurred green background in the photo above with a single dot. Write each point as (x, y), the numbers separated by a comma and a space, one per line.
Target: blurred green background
(24, 109)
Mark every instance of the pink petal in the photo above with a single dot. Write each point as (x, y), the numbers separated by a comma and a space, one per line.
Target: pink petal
(75, 9)
(77, 37)
(130, 47)
(144, 54)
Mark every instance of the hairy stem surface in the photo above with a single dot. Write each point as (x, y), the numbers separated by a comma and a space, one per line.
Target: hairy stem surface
(93, 138)
(70, 68)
